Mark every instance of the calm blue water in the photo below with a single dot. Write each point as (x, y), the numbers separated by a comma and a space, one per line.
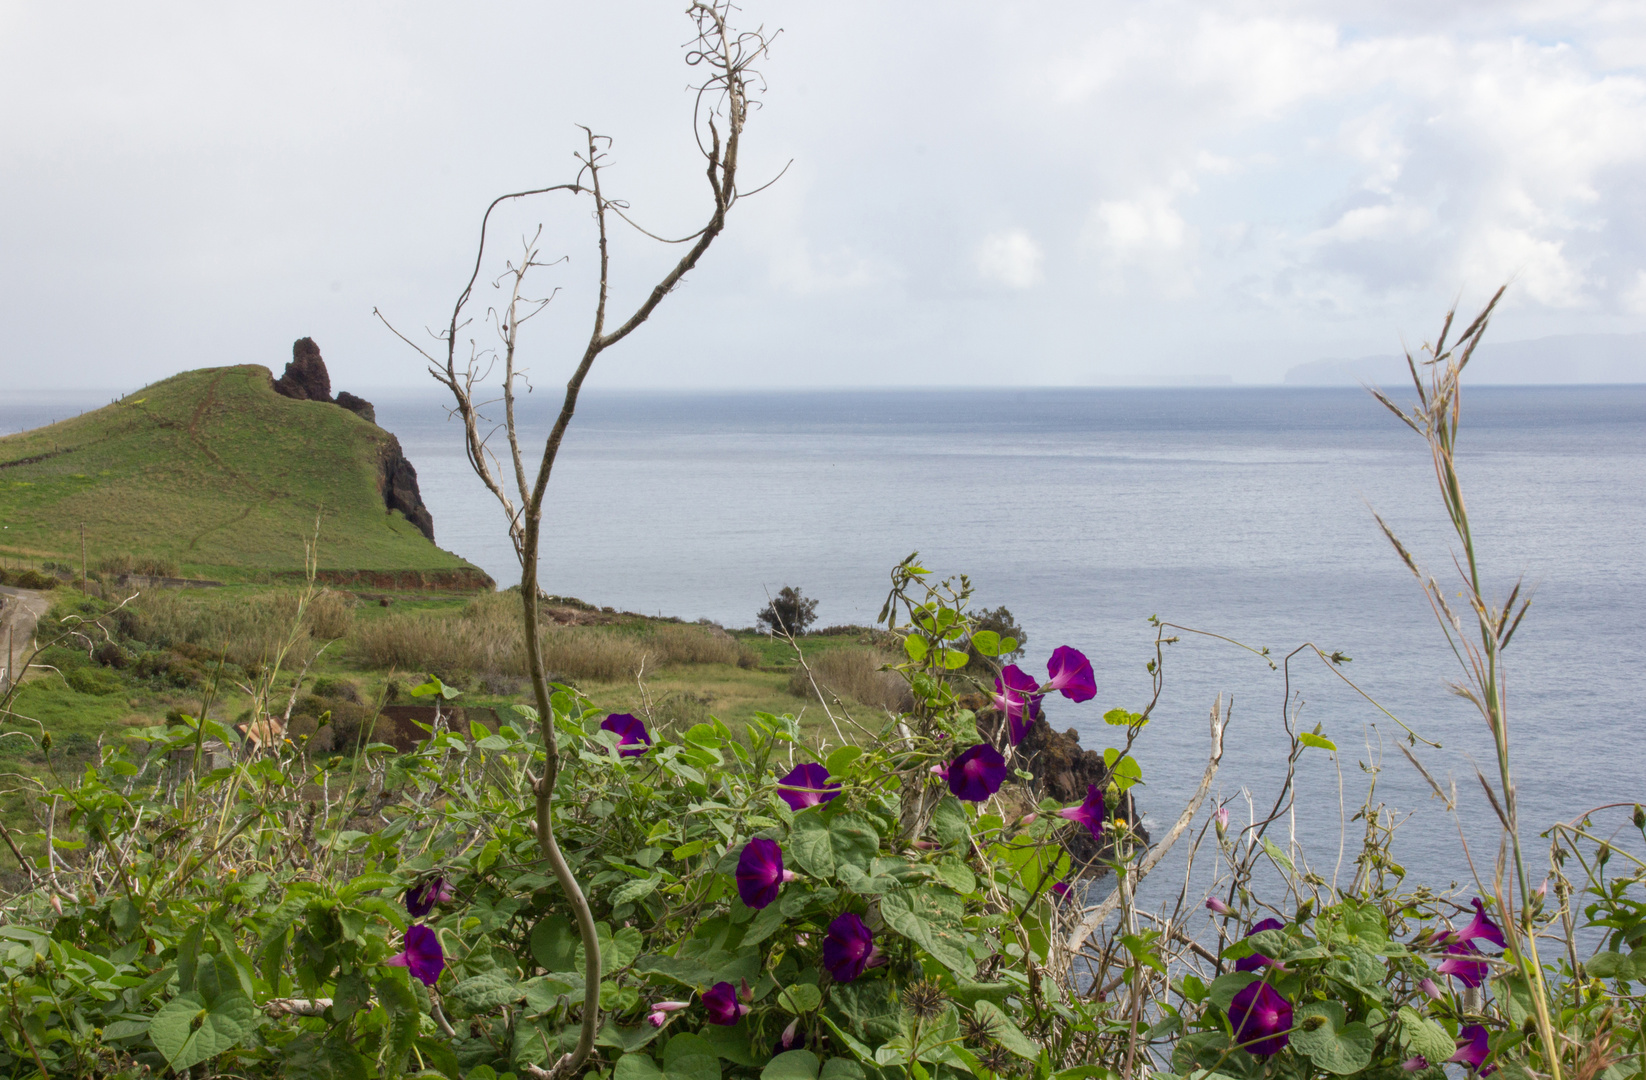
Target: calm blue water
(1240, 511)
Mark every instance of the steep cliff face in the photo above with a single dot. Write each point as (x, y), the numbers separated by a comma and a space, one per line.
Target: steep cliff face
(397, 480)
(306, 379)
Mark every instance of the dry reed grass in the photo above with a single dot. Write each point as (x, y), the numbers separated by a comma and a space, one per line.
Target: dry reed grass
(485, 638)
(854, 674)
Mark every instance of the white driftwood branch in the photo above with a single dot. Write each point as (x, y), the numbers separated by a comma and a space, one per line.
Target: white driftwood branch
(1095, 915)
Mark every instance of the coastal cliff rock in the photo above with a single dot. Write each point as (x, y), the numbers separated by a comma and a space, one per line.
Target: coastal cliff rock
(305, 378)
(397, 480)
(357, 405)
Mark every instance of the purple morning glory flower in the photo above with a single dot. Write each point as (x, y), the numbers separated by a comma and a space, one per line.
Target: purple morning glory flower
(848, 948)
(422, 955)
(1088, 813)
(1071, 674)
(421, 899)
(1014, 689)
(632, 737)
(1469, 972)
(1472, 1049)
(1482, 927)
(1261, 1019)
(1258, 960)
(1060, 889)
(1428, 987)
(721, 1002)
(806, 785)
(977, 773)
(760, 873)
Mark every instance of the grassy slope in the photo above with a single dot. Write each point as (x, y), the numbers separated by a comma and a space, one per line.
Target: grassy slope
(214, 470)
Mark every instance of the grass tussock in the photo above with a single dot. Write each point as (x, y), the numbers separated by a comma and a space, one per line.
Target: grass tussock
(688, 644)
(854, 674)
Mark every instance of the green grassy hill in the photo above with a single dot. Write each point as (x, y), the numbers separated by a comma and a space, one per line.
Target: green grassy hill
(215, 473)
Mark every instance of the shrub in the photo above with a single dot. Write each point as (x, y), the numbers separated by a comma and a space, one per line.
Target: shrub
(87, 680)
(330, 615)
(789, 612)
(28, 579)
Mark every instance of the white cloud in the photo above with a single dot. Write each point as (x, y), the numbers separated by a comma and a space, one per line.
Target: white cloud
(1634, 295)
(1009, 258)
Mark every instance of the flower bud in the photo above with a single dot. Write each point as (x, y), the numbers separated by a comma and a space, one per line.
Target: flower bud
(1218, 906)
(1428, 987)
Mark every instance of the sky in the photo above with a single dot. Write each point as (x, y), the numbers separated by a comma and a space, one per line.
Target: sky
(1081, 193)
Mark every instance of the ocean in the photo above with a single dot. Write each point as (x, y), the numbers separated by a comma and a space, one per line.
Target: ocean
(1245, 513)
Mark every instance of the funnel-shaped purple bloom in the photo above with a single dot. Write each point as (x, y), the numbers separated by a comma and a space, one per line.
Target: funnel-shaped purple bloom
(421, 899)
(422, 955)
(1071, 674)
(1258, 960)
(1261, 1019)
(760, 873)
(1088, 813)
(1461, 963)
(848, 948)
(720, 1000)
(632, 737)
(806, 785)
(977, 773)
(1017, 695)
(1482, 927)
(1472, 1049)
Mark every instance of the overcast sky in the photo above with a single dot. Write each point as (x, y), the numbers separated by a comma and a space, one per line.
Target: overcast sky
(1056, 193)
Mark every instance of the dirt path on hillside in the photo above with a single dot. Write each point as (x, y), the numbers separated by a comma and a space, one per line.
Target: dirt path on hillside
(22, 611)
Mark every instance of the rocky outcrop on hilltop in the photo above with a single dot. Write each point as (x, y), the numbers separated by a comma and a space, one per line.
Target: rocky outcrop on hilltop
(357, 405)
(306, 379)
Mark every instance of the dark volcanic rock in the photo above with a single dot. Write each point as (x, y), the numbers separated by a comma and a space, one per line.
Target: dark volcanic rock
(305, 378)
(357, 405)
(398, 481)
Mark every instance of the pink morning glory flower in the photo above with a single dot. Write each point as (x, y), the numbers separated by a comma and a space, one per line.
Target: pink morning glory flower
(421, 899)
(1217, 906)
(806, 785)
(977, 773)
(1261, 1019)
(660, 1012)
(632, 737)
(1071, 674)
(1428, 987)
(1017, 693)
(1088, 813)
(848, 948)
(721, 1002)
(760, 873)
(422, 955)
